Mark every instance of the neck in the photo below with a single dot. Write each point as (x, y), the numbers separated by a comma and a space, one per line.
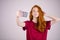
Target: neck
(34, 20)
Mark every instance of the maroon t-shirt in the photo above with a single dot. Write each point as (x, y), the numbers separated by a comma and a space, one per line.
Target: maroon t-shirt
(33, 33)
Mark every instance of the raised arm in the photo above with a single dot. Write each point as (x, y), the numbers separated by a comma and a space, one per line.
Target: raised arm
(54, 19)
(19, 23)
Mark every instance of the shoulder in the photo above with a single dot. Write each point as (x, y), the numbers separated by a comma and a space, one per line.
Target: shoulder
(28, 21)
(48, 25)
(48, 21)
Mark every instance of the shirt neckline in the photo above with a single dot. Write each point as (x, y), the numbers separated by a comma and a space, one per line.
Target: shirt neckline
(33, 22)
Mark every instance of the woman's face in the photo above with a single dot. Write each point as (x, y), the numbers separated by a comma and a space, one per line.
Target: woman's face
(35, 12)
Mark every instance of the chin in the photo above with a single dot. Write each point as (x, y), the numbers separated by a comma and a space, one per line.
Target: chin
(35, 16)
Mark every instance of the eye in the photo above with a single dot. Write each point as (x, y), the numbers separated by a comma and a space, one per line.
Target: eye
(33, 10)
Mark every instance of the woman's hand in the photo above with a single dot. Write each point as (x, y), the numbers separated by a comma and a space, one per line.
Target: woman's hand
(19, 14)
(19, 23)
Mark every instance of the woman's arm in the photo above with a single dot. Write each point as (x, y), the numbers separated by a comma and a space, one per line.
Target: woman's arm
(19, 23)
(54, 19)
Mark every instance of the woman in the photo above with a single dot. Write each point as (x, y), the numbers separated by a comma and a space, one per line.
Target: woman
(36, 27)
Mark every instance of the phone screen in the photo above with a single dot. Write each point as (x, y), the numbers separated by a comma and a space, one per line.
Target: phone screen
(25, 14)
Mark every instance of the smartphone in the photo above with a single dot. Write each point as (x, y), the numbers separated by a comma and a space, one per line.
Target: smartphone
(24, 14)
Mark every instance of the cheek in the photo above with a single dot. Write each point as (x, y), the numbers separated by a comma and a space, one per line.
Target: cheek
(37, 15)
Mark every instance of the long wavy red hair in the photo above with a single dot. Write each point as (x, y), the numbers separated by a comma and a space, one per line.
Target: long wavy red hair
(41, 23)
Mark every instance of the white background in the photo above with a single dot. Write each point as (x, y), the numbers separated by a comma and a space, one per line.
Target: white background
(8, 27)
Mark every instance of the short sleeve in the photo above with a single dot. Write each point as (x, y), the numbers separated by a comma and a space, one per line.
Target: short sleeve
(25, 27)
(48, 25)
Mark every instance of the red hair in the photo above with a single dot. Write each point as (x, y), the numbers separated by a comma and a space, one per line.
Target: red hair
(41, 24)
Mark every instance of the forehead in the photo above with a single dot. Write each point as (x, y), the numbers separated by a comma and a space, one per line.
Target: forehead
(35, 8)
